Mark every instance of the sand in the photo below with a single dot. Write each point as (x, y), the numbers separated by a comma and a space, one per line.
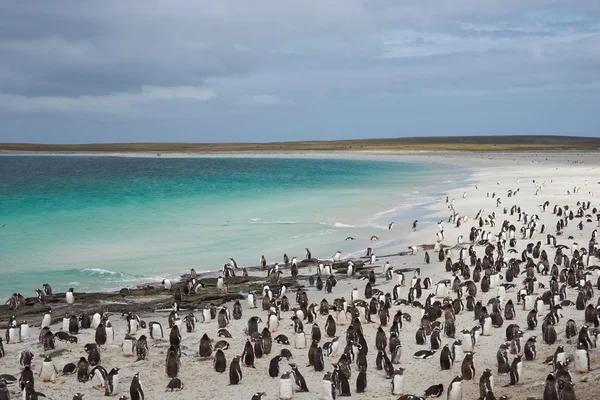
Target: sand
(492, 173)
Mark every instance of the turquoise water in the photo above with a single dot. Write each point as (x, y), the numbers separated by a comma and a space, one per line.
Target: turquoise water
(106, 222)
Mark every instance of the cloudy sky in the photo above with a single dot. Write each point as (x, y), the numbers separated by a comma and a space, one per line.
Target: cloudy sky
(270, 70)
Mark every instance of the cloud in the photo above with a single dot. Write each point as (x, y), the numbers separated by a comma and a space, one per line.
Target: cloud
(113, 103)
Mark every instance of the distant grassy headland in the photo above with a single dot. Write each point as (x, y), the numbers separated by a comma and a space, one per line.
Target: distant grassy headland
(437, 143)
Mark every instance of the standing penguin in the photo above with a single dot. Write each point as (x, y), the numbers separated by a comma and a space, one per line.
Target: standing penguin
(468, 367)
(446, 359)
(361, 380)
(83, 370)
(581, 360)
(172, 362)
(286, 387)
(135, 390)
(48, 371)
(318, 362)
(113, 386)
(73, 325)
(220, 362)
(550, 392)
(486, 383)
(205, 348)
(156, 331)
(274, 366)
(398, 382)
(235, 371)
(455, 389)
(70, 298)
(248, 355)
(530, 351)
(299, 379)
(141, 348)
(516, 369)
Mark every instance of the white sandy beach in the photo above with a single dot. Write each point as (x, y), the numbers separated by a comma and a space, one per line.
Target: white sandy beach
(558, 172)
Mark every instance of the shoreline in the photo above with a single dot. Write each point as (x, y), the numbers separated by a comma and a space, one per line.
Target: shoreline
(490, 174)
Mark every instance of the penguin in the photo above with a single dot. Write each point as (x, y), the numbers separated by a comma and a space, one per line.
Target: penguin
(581, 360)
(69, 368)
(172, 362)
(100, 336)
(282, 339)
(344, 385)
(286, 387)
(446, 359)
(398, 382)
(48, 371)
(190, 324)
(25, 357)
(435, 340)
(128, 346)
(300, 341)
(100, 374)
(434, 391)
(248, 355)
(424, 354)
(550, 392)
(273, 322)
(361, 380)
(566, 391)
(135, 389)
(113, 386)
(73, 325)
(468, 367)
(486, 383)
(274, 367)
(141, 348)
(299, 379)
(330, 326)
(13, 334)
(4, 393)
(455, 389)
(70, 298)
(46, 320)
(220, 362)
(318, 362)
(421, 336)
(251, 300)
(516, 370)
(258, 395)
(467, 341)
(175, 384)
(529, 350)
(83, 370)
(235, 371)
(95, 321)
(329, 387)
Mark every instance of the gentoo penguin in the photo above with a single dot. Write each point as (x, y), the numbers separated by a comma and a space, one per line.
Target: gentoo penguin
(13, 333)
(100, 374)
(329, 387)
(468, 367)
(344, 385)
(361, 380)
(175, 384)
(286, 387)
(550, 392)
(70, 298)
(205, 347)
(112, 386)
(467, 341)
(566, 391)
(135, 389)
(398, 382)
(220, 362)
(48, 371)
(529, 350)
(46, 320)
(69, 368)
(581, 360)
(435, 341)
(434, 391)
(273, 322)
(424, 354)
(172, 362)
(299, 379)
(235, 371)
(248, 355)
(274, 366)
(258, 396)
(486, 383)
(220, 283)
(455, 389)
(73, 325)
(446, 359)
(128, 346)
(83, 370)
(167, 284)
(96, 319)
(330, 326)
(251, 300)
(516, 369)
(318, 362)
(141, 348)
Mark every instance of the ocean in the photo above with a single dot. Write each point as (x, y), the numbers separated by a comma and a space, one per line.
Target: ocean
(103, 223)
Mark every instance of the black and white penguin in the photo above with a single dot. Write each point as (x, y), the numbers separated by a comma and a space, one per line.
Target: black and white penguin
(175, 336)
(248, 355)
(486, 383)
(205, 347)
(258, 395)
(100, 374)
(69, 368)
(516, 370)
(83, 370)
(113, 386)
(299, 379)
(48, 371)
(550, 390)
(434, 391)
(220, 362)
(141, 348)
(435, 340)
(446, 358)
(235, 371)
(70, 298)
(424, 354)
(286, 387)
(135, 389)
(274, 367)
(468, 367)
(581, 360)
(398, 382)
(455, 389)
(175, 384)
(530, 350)
(318, 361)
(173, 362)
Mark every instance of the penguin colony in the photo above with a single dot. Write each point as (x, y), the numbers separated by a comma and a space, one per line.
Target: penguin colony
(515, 274)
